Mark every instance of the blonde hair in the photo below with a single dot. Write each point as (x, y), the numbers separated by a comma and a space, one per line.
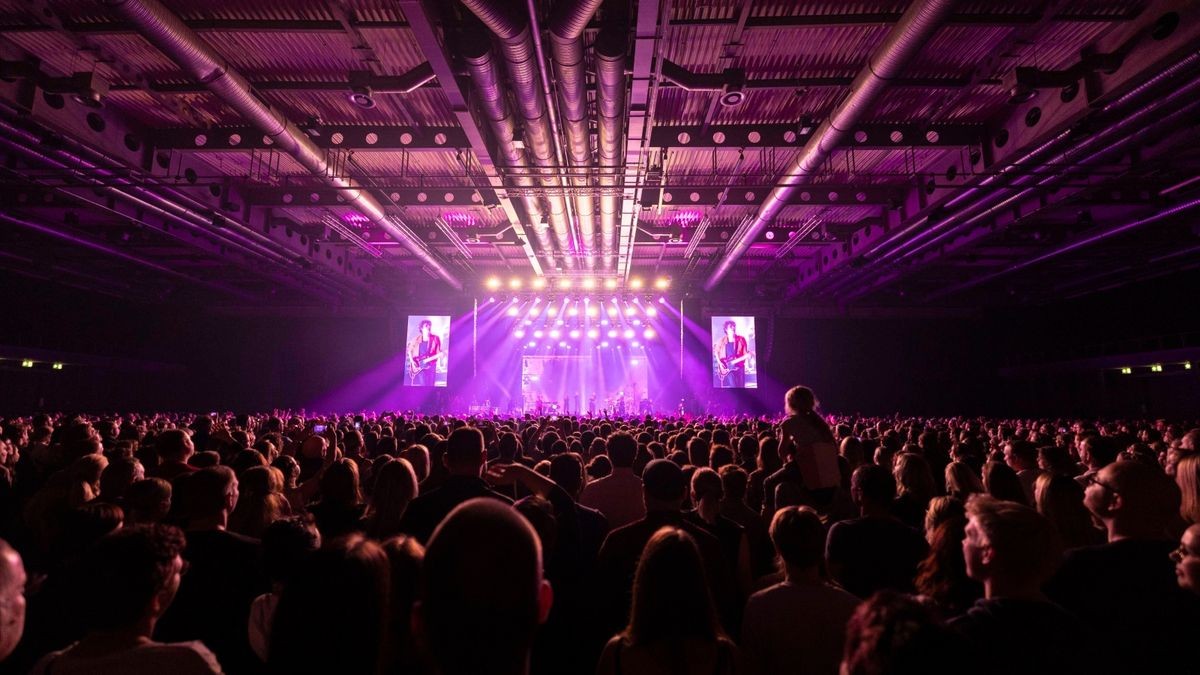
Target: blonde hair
(1187, 476)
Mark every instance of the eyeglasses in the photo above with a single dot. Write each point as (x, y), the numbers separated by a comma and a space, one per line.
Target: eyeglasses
(1094, 479)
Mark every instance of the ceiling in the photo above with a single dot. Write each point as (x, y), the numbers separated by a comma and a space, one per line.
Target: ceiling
(1021, 153)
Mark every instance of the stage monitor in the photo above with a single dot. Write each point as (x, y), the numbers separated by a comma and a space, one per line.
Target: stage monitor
(733, 351)
(427, 344)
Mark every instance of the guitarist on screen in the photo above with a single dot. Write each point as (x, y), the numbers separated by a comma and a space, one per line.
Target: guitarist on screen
(731, 352)
(423, 352)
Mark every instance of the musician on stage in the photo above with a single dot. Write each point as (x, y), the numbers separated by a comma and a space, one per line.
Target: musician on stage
(731, 353)
(423, 352)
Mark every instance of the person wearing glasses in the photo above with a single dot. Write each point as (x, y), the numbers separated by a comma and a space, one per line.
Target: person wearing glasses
(1126, 589)
(1187, 560)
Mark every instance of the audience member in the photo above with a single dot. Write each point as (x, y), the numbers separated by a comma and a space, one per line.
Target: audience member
(619, 495)
(260, 501)
(286, 543)
(663, 492)
(914, 489)
(464, 460)
(673, 627)
(942, 576)
(482, 594)
(174, 448)
(395, 488)
(895, 634)
(1187, 560)
(1126, 590)
(874, 551)
(962, 481)
(224, 576)
(1002, 482)
(147, 501)
(707, 492)
(1060, 499)
(12, 599)
(140, 568)
(798, 625)
(1011, 550)
(332, 616)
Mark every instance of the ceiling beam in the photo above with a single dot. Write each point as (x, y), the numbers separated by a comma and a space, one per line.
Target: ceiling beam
(824, 194)
(326, 136)
(754, 22)
(871, 135)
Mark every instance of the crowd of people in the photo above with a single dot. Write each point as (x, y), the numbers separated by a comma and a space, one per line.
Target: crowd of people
(440, 544)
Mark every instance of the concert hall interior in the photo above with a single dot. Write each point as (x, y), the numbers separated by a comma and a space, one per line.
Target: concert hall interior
(258, 200)
(319, 287)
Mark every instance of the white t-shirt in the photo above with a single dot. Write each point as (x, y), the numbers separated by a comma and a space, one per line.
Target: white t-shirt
(262, 613)
(152, 658)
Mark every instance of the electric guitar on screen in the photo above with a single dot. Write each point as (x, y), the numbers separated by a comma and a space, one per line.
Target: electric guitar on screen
(726, 366)
(417, 364)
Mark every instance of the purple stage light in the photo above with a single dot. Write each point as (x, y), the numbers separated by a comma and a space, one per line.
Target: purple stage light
(630, 311)
(554, 334)
(612, 333)
(662, 299)
(535, 312)
(513, 311)
(612, 311)
(492, 299)
(553, 311)
(562, 344)
(633, 362)
(593, 311)
(593, 333)
(573, 311)
(648, 333)
(628, 333)
(518, 333)
(635, 343)
(604, 344)
(650, 311)
(532, 344)
(574, 334)
(538, 334)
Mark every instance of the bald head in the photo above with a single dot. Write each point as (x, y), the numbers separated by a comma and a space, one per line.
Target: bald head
(483, 594)
(1133, 499)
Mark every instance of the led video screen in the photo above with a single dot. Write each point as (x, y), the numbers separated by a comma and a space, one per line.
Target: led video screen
(427, 345)
(734, 352)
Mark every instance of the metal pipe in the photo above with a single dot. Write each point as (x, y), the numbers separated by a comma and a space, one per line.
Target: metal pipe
(1065, 156)
(486, 80)
(1135, 124)
(567, 24)
(174, 38)
(1072, 246)
(516, 44)
(913, 30)
(1035, 155)
(610, 48)
(146, 200)
(42, 149)
(118, 253)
